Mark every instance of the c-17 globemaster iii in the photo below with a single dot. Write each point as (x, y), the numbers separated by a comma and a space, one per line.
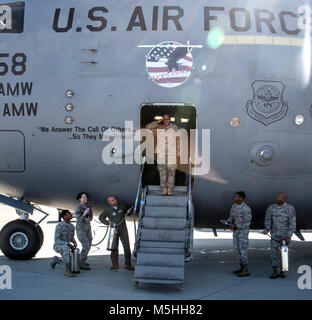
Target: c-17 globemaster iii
(237, 73)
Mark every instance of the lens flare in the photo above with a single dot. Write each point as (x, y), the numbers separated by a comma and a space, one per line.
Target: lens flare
(215, 38)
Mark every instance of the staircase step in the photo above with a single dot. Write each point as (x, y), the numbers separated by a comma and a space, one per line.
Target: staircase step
(166, 201)
(158, 281)
(164, 223)
(162, 250)
(156, 190)
(165, 212)
(160, 259)
(177, 188)
(161, 253)
(158, 273)
(162, 244)
(163, 235)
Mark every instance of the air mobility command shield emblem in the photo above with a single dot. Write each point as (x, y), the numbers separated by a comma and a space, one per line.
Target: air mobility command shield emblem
(267, 105)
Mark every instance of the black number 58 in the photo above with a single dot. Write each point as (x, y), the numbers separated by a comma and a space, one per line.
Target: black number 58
(18, 66)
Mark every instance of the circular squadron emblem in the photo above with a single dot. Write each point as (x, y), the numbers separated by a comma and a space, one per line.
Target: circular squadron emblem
(169, 64)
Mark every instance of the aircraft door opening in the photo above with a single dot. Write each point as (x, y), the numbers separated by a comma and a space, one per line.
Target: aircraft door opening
(182, 116)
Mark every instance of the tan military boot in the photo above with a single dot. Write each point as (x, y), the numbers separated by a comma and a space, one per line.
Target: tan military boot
(170, 192)
(164, 191)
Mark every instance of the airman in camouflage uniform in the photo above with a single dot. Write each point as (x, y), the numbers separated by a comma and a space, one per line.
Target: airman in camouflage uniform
(114, 214)
(165, 168)
(64, 241)
(240, 219)
(84, 215)
(280, 221)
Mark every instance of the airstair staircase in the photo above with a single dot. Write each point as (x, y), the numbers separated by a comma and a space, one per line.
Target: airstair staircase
(164, 239)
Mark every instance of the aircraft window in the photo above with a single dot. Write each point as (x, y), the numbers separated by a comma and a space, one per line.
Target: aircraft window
(69, 93)
(69, 107)
(69, 120)
(299, 119)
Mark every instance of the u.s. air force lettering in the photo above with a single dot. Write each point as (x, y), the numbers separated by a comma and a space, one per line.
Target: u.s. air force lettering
(167, 18)
(12, 17)
(267, 105)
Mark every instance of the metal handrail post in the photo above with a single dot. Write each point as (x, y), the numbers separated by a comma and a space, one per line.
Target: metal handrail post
(190, 213)
(138, 195)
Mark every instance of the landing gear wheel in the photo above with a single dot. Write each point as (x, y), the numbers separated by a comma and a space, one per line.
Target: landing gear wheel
(40, 232)
(20, 240)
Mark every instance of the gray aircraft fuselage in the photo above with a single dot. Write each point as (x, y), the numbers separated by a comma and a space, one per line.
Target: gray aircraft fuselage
(254, 65)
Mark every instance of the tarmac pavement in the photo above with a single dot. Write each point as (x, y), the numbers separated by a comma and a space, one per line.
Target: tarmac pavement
(208, 276)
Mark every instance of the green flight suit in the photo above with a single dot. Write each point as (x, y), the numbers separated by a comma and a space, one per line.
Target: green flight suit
(116, 215)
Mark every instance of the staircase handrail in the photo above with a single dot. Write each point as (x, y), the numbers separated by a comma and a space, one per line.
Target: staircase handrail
(138, 194)
(190, 216)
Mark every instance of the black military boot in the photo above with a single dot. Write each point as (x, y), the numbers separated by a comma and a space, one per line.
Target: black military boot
(275, 274)
(244, 272)
(55, 261)
(114, 258)
(114, 267)
(129, 267)
(282, 274)
(128, 264)
(67, 272)
(239, 270)
(84, 265)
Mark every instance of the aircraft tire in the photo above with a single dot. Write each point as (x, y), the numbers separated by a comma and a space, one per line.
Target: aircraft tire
(40, 233)
(20, 240)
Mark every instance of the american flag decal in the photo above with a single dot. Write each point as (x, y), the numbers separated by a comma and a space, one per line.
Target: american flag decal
(169, 64)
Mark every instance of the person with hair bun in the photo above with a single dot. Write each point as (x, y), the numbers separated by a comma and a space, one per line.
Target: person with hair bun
(84, 214)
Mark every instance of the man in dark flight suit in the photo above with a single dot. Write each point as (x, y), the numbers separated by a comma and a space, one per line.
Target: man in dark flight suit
(114, 213)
